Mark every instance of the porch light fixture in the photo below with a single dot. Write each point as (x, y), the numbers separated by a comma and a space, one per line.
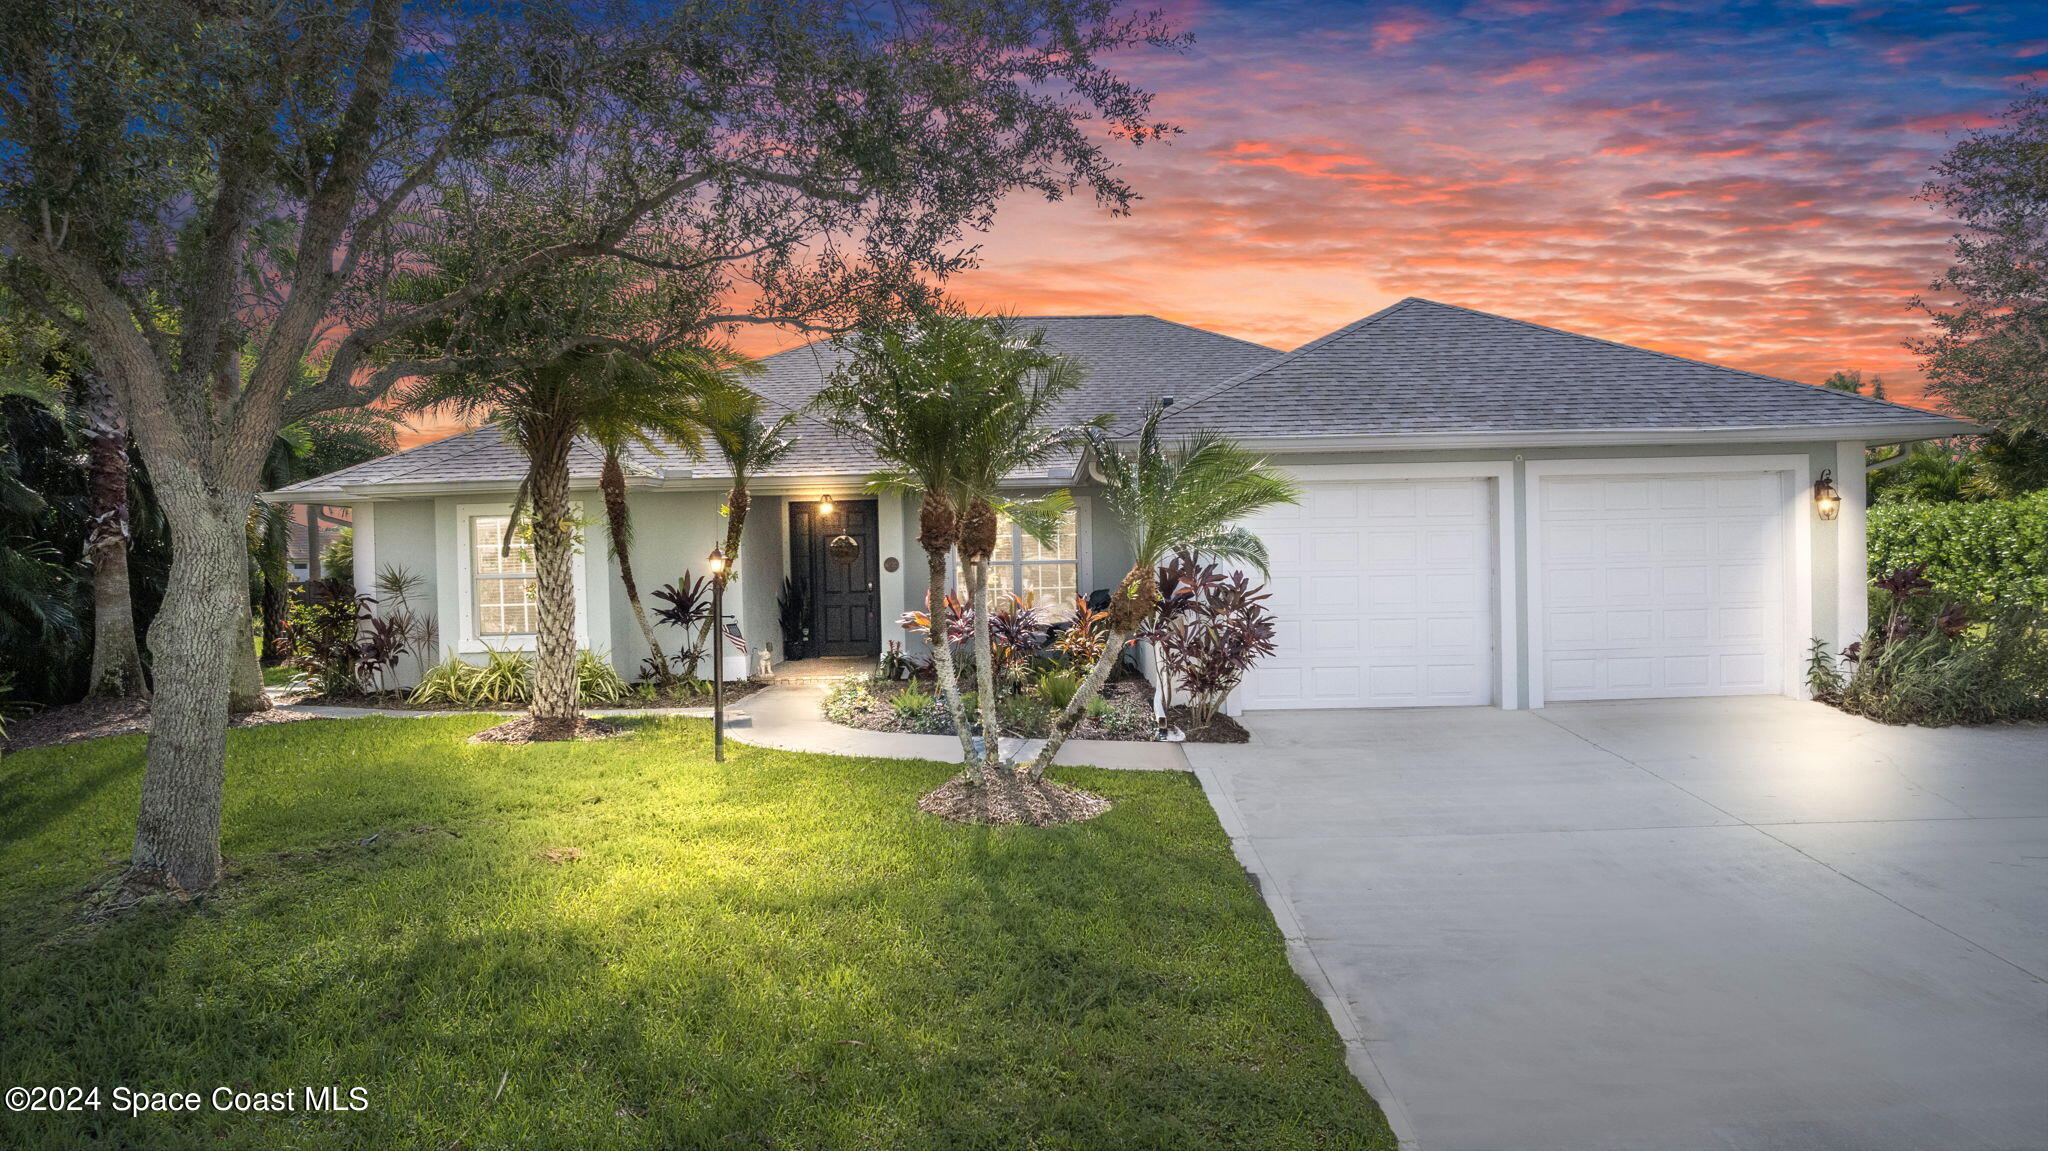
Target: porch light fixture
(1827, 502)
(825, 505)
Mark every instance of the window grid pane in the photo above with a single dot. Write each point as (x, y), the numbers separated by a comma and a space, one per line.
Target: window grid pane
(505, 593)
(1051, 587)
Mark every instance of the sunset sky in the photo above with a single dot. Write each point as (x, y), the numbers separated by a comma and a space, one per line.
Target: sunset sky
(1729, 181)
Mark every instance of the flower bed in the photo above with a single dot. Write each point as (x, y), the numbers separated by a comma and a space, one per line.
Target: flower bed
(639, 695)
(1124, 711)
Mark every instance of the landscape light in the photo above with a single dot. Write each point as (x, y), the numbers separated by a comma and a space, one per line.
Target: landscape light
(716, 560)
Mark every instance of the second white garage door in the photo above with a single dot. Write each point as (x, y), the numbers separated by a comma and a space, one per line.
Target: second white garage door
(1384, 594)
(1661, 585)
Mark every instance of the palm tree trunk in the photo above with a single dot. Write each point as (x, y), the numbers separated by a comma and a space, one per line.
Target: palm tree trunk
(942, 659)
(612, 482)
(555, 712)
(116, 652)
(1136, 598)
(1062, 727)
(985, 666)
(736, 500)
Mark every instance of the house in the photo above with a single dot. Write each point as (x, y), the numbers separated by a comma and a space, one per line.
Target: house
(1496, 512)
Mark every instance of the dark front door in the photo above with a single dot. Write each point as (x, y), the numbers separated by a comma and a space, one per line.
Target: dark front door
(839, 553)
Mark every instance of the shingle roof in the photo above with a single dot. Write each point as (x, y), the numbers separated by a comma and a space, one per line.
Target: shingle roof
(1416, 368)
(1420, 367)
(1132, 361)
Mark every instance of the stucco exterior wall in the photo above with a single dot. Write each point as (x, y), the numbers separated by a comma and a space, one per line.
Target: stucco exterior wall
(675, 530)
(762, 562)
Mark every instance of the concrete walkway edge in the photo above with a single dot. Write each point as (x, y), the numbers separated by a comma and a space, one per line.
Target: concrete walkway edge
(787, 718)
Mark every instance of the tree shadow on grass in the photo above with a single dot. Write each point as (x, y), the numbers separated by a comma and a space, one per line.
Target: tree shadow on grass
(55, 789)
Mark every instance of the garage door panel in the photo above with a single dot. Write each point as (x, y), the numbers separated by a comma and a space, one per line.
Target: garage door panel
(1661, 585)
(1388, 603)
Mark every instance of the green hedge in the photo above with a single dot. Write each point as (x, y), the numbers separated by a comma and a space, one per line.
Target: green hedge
(1995, 550)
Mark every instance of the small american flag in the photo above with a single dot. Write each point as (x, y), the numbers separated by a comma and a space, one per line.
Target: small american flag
(733, 636)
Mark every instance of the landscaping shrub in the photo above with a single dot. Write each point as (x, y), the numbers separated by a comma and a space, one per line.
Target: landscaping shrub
(596, 682)
(848, 697)
(1991, 551)
(325, 623)
(505, 679)
(1933, 662)
(1023, 715)
(688, 610)
(1209, 630)
(1081, 640)
(1016, 630)
(1056, 687)
(915, 706)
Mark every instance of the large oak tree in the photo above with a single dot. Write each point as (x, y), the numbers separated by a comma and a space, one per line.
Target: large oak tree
(200, 183)
(1988, 357)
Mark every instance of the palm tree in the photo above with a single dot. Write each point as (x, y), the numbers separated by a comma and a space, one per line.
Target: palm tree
(1016, 383)
(549, 360)
(749, 444)
(1183, 499)
(899, 393)
(697, 375)
(39, 365)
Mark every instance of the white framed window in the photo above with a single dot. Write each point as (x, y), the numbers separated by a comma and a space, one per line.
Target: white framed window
(1046, 575)
(498, 582)
(504, 584)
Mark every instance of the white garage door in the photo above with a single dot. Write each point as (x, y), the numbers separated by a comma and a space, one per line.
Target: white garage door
(1662, 585)
(1384, 593)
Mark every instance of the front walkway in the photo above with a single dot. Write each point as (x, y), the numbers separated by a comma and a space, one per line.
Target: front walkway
(1679, 924)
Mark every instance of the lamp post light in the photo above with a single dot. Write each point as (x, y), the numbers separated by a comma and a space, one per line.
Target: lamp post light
(716, 562)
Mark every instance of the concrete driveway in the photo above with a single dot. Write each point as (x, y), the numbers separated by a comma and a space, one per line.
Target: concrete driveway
(1725, 924)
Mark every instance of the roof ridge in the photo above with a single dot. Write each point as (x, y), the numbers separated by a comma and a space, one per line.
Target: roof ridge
(1212, 332)
(1667, 355)
(1304, 349)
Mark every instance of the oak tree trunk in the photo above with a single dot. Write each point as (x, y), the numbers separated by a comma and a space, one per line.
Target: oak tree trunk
(116, 654)
(177, 833)
(555, 711)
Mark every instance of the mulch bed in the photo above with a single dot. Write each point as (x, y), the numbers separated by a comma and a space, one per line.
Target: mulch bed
(99, 718)
(1010, 797)
(1222, 729)
(526, 729)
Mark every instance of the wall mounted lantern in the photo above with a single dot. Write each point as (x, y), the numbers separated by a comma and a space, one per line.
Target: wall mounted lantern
(1827, 502)
(825, 505)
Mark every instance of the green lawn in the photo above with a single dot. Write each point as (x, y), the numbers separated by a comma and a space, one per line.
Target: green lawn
(778, 952)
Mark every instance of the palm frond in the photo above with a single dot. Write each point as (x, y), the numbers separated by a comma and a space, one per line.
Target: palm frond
(1039, 517)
